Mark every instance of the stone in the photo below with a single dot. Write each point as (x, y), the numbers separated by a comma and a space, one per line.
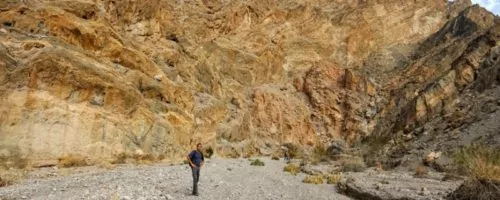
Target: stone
(424, 191)
(431, 157)
(158, 77)
(169, 197)
(125, 198)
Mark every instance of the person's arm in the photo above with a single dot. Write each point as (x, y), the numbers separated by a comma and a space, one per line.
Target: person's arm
(190, 161)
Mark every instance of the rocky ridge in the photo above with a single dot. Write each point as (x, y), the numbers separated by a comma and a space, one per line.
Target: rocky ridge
(245, 77)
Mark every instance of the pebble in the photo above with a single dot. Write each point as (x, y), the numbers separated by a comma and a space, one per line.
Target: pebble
(151, 182)
(424, 191)
(125, 198)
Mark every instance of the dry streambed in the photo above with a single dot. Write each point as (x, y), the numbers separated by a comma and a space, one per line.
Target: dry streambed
(220, 179)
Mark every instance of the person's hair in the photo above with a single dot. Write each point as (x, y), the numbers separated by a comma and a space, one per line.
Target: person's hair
(198, 144)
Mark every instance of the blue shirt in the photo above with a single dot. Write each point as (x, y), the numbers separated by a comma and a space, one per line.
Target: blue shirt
(196, 157)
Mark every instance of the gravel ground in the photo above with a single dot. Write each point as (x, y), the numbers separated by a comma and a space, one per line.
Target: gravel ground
(220, 179)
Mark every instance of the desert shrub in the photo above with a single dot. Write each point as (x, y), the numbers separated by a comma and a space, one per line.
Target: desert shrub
(11, 176)
(120, 159)
(5, 182)
(106, 165)
(292, 168)
(355, 165)
(208, 152)
(476, 189)
(421, 171)
(479, 162)
(314, 179)
(72, 160)
(257, 162)
(144, 158)
(333, 178)
(293, 150)
(320, 153)
(138, 158)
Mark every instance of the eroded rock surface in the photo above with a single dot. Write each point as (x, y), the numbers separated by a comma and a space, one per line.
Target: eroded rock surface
(102, 77)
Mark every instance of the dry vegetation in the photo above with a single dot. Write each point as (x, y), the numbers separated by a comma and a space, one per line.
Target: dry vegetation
(292, 169)
(479, 162)
(333, 178)
(5, 182)
(421, 171)
(353, 165)
(320, 154)
(482, 165)
(11, 176)
(208, 152)
(257, 162)
(314, 179)
(123, 158)
(293, 151)
(72, 160)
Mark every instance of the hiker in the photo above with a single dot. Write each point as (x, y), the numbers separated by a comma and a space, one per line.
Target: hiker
(196, 161)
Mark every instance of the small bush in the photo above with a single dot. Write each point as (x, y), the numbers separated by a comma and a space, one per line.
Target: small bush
(476, 189)
(144, 158)
(479, 162)
(333, 178)
(320, 153)
(208, 152)
(5, 182)
(421, 171)
(292, 168)
(72, 160)
(257, 162)
(315, 179)
(106, 165)
(353, 166)
(293, 151)
(10, 177)
(275, 158)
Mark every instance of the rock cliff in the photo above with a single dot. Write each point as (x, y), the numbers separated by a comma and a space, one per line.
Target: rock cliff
(105, 77)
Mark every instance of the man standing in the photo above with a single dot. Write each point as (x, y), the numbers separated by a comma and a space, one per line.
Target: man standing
(196, 161)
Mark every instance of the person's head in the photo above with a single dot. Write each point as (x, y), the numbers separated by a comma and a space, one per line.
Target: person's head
(199, 146)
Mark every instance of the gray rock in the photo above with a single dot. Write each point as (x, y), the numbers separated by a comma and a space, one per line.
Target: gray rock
(336, 148)
(398, 185)
(125, 198)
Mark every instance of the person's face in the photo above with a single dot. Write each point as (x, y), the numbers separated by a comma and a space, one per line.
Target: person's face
(199, 146)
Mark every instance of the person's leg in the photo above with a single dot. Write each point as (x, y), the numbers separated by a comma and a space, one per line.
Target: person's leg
(193, 170)
(196, 175)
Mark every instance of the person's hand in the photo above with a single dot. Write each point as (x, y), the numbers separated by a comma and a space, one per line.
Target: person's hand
(192, 165)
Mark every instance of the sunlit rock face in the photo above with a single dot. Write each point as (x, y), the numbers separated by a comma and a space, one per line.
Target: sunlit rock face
(103, 77)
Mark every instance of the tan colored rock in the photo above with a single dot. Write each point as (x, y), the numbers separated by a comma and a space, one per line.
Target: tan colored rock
(100, 78)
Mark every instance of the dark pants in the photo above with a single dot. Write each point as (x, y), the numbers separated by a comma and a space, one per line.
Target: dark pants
(196, 178)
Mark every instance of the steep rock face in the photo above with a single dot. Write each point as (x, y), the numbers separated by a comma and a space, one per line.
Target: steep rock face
(435, 100)
(244, 76)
